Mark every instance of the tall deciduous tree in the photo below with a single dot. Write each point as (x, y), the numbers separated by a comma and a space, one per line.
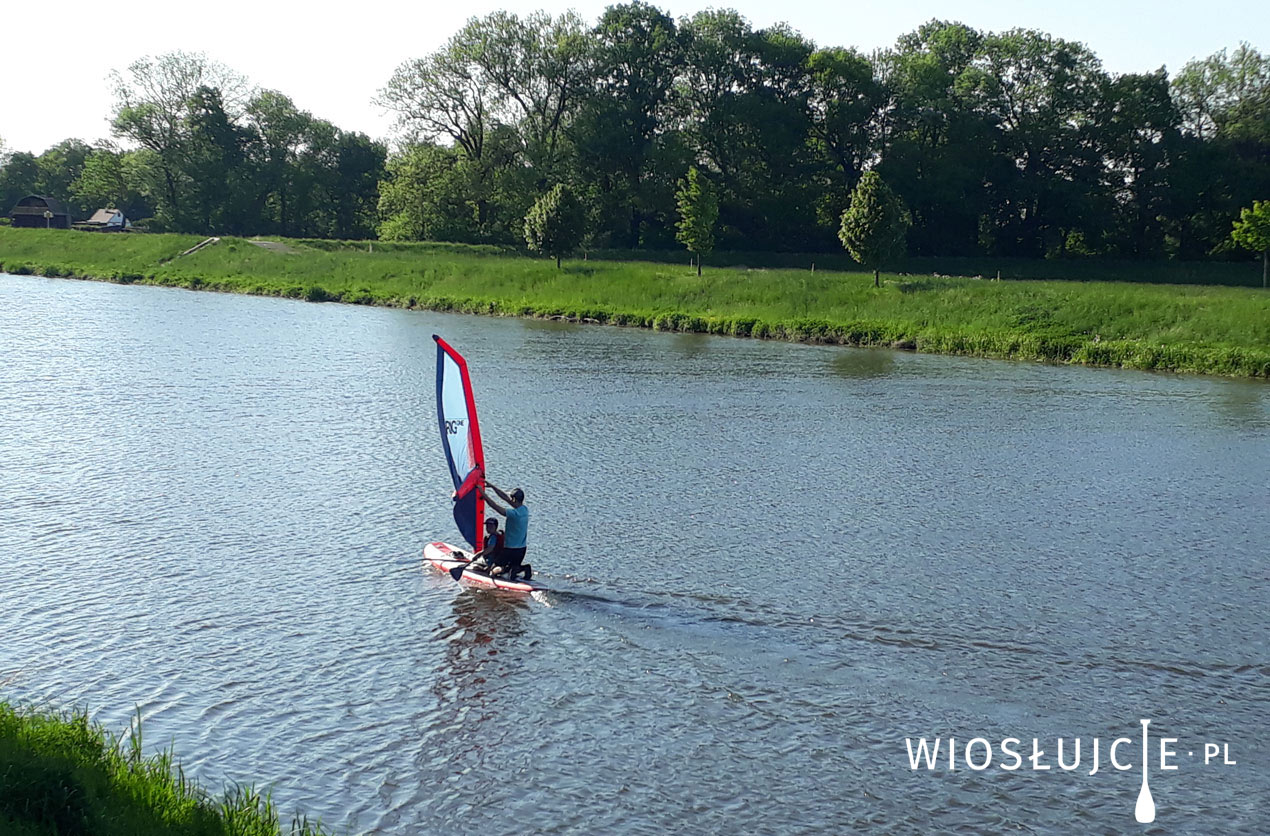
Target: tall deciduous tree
(937, 147)
(1041, 92)
(1225, 104)
(556, 223)
(352, 184)
(425, 196)
(698, 212)
(59, 167)
(497, 70)
(1225, 95)
(1252, 232)
(742, 103)
(282, 130)
(443, 96)
(619, 134)
(217, 162)
(844, 102)
(1136, 126)
(155, 101)
(875, 225)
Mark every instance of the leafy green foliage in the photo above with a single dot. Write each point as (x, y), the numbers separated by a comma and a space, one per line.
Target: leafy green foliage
(1252, 232)
(116, 180)
(500, 70)
(438, 193)
(61, 774)
(1224, 106)
(843, 99)
(617, 134)
(698, 213)
(875, 224)
(556, 223)
(19, 177)
(1226, 95)
(1013, 144)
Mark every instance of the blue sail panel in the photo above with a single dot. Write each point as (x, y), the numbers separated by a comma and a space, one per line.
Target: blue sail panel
(465, 517)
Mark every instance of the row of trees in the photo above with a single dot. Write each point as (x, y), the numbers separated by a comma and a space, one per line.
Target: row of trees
(1010, 143)
(1013, 143)
(207, 153)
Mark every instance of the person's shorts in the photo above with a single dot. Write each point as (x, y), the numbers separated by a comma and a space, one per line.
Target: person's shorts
(511, 559)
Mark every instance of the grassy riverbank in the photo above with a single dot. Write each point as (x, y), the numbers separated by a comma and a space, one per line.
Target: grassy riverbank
(60, 774)
(1205, 329)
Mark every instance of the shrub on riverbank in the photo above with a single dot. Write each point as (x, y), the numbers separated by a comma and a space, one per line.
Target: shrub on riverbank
(1217, 330)
(61, 774)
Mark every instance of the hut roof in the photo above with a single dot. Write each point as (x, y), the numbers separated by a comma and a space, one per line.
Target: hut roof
(40, 202)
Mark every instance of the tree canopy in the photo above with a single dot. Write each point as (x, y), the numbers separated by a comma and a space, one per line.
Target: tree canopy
(1252, 232)
(1013, 143)
(555, 223)
(875, 224)
(698, 213)
(1010, 143)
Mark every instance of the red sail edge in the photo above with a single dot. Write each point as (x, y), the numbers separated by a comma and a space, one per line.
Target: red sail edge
(476, 477)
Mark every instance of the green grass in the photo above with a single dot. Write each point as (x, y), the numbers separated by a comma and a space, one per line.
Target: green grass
(61, 775)
(1245, 273)
(1188, 328)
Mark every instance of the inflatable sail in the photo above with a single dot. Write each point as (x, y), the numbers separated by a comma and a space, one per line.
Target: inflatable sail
(461, 440)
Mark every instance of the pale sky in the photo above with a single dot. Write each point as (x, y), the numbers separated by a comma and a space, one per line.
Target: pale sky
(332, 58)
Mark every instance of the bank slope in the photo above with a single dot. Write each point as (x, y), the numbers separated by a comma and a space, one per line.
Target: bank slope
(1185, 328)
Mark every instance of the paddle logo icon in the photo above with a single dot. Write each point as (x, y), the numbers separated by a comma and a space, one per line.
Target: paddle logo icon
(1066, 755)
(1144, 810)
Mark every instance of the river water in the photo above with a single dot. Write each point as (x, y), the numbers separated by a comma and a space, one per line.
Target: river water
(771, 564)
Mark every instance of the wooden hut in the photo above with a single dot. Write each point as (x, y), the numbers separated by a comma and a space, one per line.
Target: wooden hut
(43, 212)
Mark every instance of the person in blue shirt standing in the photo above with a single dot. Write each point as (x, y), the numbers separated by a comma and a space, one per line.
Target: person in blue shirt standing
(515, 533)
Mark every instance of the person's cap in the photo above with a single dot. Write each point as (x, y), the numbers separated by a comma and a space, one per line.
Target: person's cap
(518, 495)
(491, 522)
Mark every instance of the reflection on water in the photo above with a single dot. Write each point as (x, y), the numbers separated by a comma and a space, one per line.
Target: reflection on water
(484, 642)
(1242, 406)
(483, 652)
(863, 362)
(773, 562)
(690, 346)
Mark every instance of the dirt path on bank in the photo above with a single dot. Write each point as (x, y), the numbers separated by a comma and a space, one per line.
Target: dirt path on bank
(274, 246)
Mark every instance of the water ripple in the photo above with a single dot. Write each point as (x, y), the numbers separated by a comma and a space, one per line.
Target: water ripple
(769, 564)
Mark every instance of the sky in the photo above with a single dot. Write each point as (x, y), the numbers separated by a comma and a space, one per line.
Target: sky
(333, 58)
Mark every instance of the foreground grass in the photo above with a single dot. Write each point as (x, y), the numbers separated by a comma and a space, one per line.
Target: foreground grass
(60, 774)
(1187, 328)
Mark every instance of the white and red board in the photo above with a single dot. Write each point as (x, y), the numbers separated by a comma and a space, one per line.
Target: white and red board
(446, 557)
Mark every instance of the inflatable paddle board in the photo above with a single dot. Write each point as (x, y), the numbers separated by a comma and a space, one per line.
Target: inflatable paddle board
(447, 558)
